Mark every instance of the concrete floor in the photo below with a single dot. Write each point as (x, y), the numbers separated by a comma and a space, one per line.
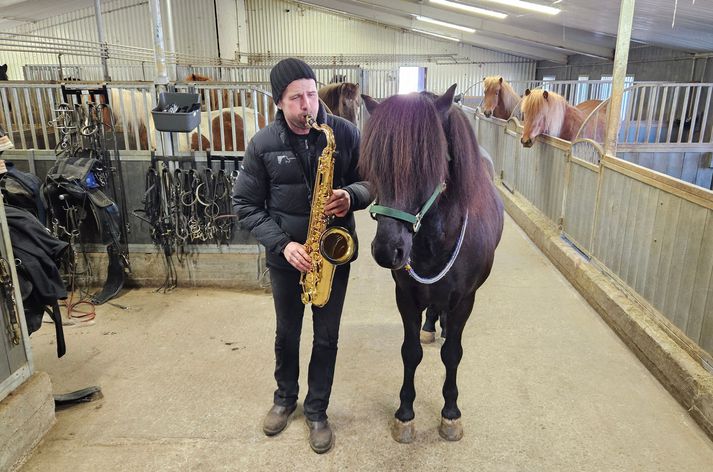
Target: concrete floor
(544, 384)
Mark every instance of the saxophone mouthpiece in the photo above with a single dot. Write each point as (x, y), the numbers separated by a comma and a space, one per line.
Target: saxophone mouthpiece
(311, 122)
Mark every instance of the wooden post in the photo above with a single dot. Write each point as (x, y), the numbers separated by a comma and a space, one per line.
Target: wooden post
(621, 58)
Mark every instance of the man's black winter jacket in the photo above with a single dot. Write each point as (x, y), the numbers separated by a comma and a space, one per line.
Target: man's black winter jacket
(272, 196)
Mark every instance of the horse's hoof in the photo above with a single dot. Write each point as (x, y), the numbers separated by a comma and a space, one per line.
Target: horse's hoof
(403, 432)
(427, 337)
(451, 430)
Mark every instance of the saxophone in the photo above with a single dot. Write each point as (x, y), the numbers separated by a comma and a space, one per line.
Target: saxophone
(327, 247)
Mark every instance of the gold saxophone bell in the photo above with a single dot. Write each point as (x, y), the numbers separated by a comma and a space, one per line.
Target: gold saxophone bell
(327, 247)
(337, 245)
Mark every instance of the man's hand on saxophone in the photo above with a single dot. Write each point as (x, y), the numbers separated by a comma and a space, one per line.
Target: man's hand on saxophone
(338, 204)
(297, 256)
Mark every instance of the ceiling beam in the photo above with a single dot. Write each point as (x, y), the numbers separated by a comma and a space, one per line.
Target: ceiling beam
(385, 16)
(570, 40)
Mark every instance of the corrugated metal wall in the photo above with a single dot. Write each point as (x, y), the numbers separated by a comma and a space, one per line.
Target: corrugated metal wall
(280, 27)
(645, 63)
(126, 22)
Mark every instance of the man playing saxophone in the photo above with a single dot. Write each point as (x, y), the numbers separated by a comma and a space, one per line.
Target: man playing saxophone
(273, 197)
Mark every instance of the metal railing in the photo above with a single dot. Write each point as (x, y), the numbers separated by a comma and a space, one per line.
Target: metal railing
(231, 114)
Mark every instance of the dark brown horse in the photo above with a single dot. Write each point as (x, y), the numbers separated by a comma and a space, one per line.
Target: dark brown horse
(439, 220)
(3, 73)
(342, 99)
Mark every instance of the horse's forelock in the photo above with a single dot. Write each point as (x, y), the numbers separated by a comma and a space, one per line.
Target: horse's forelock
(350, 91)
(553, 108)
(492, 81)
(404, 150)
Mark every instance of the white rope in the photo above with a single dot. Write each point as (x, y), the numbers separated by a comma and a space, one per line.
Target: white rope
(445, 270)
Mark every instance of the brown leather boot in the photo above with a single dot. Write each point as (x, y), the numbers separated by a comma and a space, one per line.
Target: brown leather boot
(276, 419)
(321, 437)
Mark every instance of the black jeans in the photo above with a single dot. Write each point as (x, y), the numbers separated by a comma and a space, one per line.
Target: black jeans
(289, 310)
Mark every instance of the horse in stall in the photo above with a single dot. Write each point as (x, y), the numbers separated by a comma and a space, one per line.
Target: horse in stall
(342, 99)
(500, 99)
(216, 102)
(549, 113)
(439, 219)
(223, 141)
(131, 106)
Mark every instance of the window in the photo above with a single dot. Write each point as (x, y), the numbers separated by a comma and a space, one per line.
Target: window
(605, 92)
(412, 79)
(545, 79)
(582, 94)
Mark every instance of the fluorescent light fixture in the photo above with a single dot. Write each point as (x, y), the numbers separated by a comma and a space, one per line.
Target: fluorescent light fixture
(426, 19)
(536, 7)
(442, 36)
(470, 9)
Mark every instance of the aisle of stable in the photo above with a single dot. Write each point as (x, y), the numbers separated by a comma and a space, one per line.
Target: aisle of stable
(544, 384)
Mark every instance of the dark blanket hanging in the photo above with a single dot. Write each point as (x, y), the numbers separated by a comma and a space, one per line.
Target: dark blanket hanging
(37, 257)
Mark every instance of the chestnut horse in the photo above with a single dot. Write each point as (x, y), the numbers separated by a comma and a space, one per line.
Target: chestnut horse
(136, 108)
(500, 99)
(439, 219)
(224, 138)
(549, 113)
(221, 100)
(342, 99)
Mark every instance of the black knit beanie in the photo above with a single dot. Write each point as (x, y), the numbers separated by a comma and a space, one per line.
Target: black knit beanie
(286, 71)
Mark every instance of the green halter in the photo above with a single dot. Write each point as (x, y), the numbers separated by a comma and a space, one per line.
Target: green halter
(415, 220)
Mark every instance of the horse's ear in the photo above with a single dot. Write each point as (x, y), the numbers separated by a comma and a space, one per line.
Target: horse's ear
(527, 92)
(545, 94)
(444, 102)
(501, 80)
(370, 103)
(3, 67)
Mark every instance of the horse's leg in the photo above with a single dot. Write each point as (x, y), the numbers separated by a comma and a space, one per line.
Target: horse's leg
(451, 428)
(443, 321)
(404, 430)
(428, 332)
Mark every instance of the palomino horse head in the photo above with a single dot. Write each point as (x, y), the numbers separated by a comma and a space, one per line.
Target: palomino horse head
(492, 87)
(537, 111)
(405, 158)
(3, 72)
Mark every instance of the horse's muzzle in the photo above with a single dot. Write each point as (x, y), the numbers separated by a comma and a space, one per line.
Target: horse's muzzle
(487, 113)
(388, 256)
(527, 144)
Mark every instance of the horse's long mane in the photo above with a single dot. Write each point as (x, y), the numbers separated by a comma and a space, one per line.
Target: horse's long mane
(510, 98)
(405, 148)
(553, 108)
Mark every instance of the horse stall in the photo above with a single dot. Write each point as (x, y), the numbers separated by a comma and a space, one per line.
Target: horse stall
(30, 117)
(644, 216)
(181, 363)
